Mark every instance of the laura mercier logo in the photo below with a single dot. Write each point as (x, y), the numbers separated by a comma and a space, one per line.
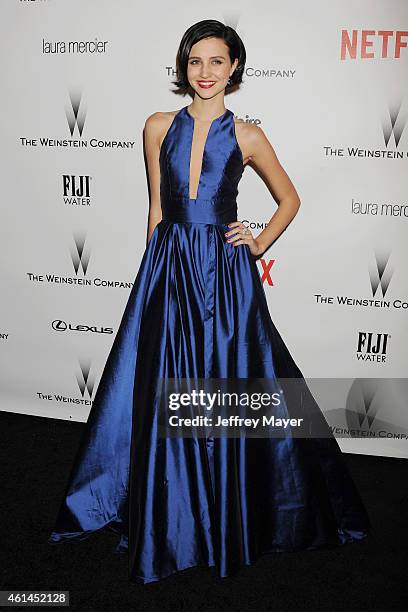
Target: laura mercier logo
(381, 209)
(82, 47)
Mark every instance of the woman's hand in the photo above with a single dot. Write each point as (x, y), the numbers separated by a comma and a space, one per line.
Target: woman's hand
(239, 234)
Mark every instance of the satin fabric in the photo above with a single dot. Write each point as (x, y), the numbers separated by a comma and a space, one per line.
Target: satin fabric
(198, 309)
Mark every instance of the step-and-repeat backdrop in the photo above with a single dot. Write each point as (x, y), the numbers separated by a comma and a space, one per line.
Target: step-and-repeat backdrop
(327, 82)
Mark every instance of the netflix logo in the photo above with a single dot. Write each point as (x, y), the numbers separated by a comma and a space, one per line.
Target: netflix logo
(372, 44)
(265, 272)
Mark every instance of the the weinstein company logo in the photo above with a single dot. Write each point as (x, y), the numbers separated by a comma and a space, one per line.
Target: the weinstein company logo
(361, 409)
(86, 386)
(372, 346)
(76, 189)
(75, 113)
(80, 256)
(85, 381)
(381, 273)
(394, 124)
(375, 408)
(380, 277)
(75, 116)
(255, 225)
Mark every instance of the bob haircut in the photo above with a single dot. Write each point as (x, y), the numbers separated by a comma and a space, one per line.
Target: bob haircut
(205, 29)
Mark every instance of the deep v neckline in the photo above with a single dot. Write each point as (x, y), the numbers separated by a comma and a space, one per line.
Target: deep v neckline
(192, 127)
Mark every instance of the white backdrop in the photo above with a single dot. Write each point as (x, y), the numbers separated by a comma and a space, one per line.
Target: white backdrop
(327, 82)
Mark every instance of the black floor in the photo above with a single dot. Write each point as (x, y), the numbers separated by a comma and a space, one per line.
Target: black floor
(36, 455)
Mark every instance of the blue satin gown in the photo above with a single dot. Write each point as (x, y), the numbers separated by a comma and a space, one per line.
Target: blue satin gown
(198, 309)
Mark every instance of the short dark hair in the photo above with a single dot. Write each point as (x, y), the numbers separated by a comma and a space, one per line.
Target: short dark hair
(205, 29)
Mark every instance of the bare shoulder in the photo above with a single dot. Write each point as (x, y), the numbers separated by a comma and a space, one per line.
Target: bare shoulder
(249, 136)
(157, 124)
(250, 132)
(159, 118)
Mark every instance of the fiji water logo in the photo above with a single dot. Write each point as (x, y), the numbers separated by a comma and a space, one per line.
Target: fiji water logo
(372, 346)
(76, 189)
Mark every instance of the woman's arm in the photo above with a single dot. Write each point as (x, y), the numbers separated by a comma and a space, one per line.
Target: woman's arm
(152, 133)
(262, 155)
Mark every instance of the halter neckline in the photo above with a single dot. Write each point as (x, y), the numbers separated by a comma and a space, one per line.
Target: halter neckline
(212, 120)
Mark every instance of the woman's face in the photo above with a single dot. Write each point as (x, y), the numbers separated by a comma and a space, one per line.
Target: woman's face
(209, 67)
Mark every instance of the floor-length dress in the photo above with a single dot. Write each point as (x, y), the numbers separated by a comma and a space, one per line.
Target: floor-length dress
(198, 309)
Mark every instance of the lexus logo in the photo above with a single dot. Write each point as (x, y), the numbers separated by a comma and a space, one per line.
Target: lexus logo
(60, 325)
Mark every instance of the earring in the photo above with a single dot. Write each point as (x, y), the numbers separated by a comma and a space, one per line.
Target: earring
(229, 81)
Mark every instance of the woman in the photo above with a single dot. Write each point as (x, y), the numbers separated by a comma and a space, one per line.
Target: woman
(197, 311)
